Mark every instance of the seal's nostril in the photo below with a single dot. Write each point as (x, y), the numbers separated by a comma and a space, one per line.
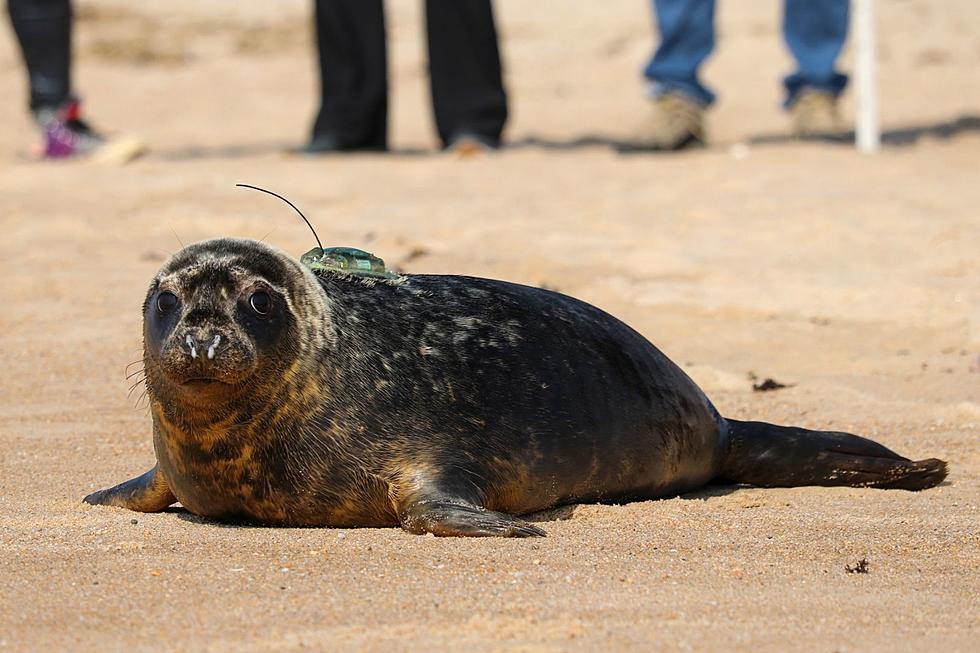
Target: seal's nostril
(214, 343)
(192, 345)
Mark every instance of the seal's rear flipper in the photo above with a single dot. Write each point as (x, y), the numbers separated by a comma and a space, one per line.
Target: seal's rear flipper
(786, 456)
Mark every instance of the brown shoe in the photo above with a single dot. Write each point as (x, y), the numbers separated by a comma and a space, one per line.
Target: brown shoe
(814, 115)
(676, 122)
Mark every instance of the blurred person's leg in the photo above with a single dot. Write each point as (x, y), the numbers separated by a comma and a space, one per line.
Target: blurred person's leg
(468, 97)
(353, 76)
(815, 32)
(687, 37)
(43, 29)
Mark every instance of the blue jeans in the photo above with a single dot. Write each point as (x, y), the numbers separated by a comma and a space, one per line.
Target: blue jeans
(814, 31)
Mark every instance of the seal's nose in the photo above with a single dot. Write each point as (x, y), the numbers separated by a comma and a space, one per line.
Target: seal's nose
(201, 344)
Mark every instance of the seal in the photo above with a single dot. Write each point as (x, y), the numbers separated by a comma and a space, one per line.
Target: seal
(449, 405)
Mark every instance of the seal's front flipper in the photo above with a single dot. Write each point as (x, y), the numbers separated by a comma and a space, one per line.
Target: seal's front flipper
(447, 518)
(146, 493)
(785, 456)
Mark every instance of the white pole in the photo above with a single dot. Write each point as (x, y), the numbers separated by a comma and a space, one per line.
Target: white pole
(867, 133)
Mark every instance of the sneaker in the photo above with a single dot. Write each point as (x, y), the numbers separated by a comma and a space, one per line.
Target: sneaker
(814, 115)
(65, 133)
(676, 122)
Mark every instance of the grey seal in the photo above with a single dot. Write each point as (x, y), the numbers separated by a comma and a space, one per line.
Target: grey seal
(444, 404)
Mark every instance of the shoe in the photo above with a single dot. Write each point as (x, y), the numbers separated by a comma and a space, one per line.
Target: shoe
(64, 132)
(814, 115)
(465, 144)
(676, 122)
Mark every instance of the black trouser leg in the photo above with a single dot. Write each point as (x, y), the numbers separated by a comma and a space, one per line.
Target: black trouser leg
(43, 29)
(464, 65)
(353, 73)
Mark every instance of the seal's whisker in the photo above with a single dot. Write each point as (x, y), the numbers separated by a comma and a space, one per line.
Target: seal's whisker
(262, 239)
(470, 471)
(478, 489)
(133, 387)
(141, 370)
(174, 232)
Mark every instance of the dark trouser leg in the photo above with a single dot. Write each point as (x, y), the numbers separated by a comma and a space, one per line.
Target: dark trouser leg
(464, 66)
(353, 74)
(43, 29)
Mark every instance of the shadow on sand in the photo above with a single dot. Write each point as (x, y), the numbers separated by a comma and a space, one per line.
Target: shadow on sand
(558, 513)
(898, 137)
(562, 513)
(901, 137)
(285, 150)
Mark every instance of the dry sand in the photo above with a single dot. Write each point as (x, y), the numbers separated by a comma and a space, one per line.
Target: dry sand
(853, 278)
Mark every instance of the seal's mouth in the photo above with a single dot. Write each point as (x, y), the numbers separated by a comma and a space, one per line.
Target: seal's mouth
(198, 380)
(203, 383)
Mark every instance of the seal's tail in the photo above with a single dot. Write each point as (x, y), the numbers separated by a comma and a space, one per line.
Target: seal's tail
(785, 456)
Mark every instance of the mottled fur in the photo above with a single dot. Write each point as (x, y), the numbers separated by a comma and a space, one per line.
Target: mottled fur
(445, 404)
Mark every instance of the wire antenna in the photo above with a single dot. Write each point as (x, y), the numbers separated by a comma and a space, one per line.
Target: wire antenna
(318, 243)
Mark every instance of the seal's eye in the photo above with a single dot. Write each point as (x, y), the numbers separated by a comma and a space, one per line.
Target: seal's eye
(260, 302)
(166, 302)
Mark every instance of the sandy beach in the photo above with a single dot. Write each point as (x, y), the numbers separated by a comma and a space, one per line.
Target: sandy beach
(855, 280)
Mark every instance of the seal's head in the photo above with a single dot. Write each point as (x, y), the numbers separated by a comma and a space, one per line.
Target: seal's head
(226, 317)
